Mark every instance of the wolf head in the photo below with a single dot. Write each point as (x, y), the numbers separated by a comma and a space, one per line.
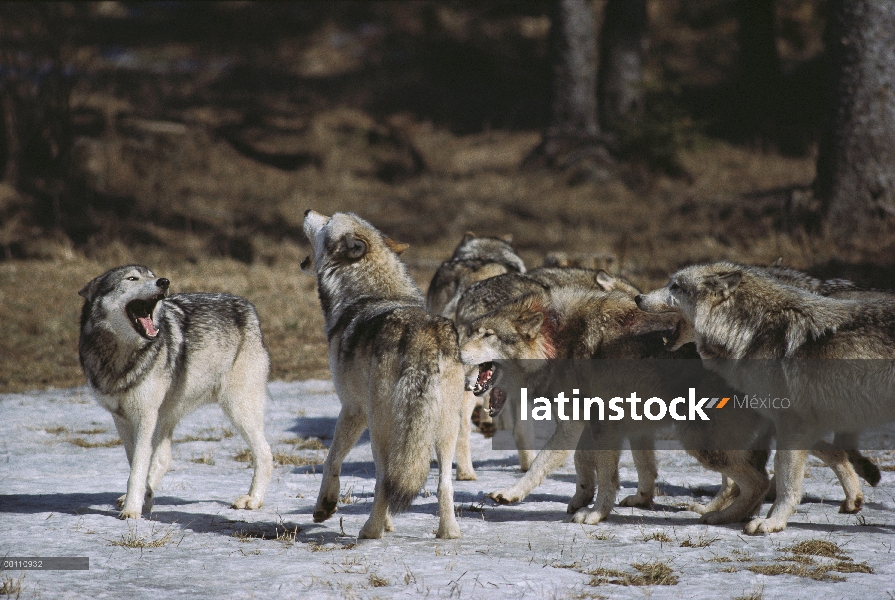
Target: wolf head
(489, 249)
(734, 310)
(353, 260)
(125, 299)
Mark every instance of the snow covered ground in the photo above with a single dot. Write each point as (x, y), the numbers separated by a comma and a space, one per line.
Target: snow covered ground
(58, 485)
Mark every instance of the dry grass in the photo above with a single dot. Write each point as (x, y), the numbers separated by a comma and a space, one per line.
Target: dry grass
(212, 435)
(305, 443)
(133, 538)
(82, 443)
(655, 573)
(657, 536)
(205, 459)
(824, 548)
(11, 586)
(284, 459)
(377, 581)
(701, 541)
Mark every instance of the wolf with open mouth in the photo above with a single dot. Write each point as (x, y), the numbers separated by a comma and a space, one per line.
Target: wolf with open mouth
(151, 358)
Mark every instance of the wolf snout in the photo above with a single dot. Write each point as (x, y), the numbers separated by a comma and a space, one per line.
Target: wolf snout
(638, 300)
(163, 283)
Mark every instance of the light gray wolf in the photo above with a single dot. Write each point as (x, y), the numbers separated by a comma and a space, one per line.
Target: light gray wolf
(475, 259)
(735, 311)
(588, 324)
(843, 289)
(151, 359)
(396, 369)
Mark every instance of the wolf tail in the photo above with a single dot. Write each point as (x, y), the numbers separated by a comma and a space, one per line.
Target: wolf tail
(418, 397)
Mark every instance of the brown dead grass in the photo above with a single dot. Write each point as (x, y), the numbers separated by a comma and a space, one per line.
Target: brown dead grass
(655, 573)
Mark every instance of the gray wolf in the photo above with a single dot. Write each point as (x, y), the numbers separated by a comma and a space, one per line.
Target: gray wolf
(735, 311)
(396, 369)
(151, 358)
(474, 259)
(592, 324)
(488, 295)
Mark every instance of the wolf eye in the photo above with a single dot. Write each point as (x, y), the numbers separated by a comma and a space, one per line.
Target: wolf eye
(132, 278)
(674, 286)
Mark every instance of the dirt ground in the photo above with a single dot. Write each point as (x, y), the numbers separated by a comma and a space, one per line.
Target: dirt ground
(198, 158)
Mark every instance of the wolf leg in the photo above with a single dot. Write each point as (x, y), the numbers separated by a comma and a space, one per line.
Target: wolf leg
(745, 489)
(645, 463)
(445, 444)
(126, 433)
(137, 489)
(585, 480)
(465, 471)
(247, 414)
(838, 461)
(789, 467)
(349, 426)
(607, 488)
(555, 452)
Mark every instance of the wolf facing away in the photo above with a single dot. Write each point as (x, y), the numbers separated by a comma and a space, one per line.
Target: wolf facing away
(151, 359)
(735, 311)
(396, 369)
(475, 259)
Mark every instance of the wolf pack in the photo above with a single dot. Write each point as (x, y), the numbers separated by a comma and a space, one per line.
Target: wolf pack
(413, 369)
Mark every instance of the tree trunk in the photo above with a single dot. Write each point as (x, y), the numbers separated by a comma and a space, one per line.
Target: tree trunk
(856, 161)
(573, 133)
(620, 76)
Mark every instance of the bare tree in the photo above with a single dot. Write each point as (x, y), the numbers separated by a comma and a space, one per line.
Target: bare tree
(856, 161)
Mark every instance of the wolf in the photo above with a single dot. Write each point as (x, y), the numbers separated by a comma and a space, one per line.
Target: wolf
(489, 294)
(151, 358)
(586, 324)
(843, 289)
(474, 259)
(396, 369)
(735, 311)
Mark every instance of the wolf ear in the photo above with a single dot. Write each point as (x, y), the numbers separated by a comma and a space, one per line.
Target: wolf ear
(354, 247)
(88, 291)
(396, 247)
(776, 263)
(726, 283)
(307, 265)
(467, 237)
(529, 324)
(508, 238)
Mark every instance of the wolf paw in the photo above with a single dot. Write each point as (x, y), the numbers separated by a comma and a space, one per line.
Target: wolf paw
(759, 526)
(120, 502)
(369, 532)
(578, 502)
(637, 500)
(505, 497)
(324, 510)
(129, 514)
(852, 506)
(699, 509)
(714, 517)
(248, 503)
(450, 531)
(466, 475)
(588, 516)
